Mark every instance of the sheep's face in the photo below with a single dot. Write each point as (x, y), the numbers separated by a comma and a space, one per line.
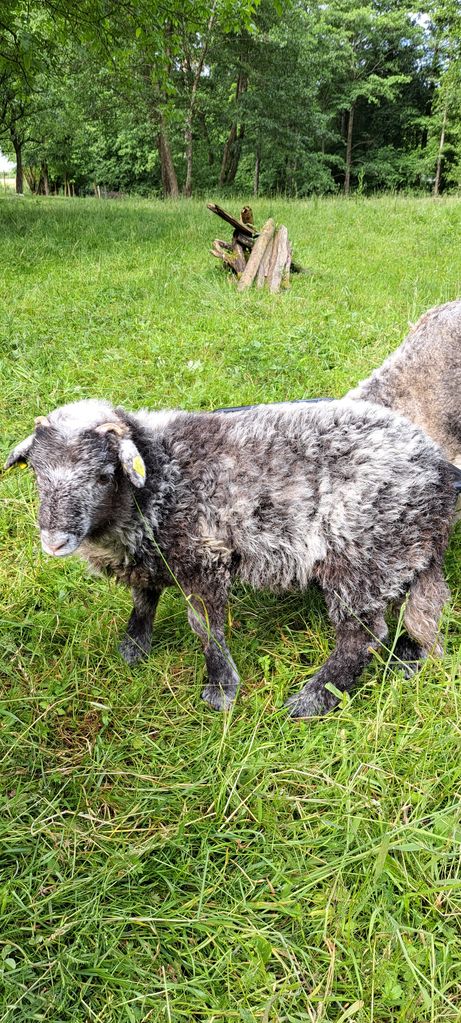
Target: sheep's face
(77, 483)
(80, 478)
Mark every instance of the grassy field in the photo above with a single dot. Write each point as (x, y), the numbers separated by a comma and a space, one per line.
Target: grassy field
(159, 861)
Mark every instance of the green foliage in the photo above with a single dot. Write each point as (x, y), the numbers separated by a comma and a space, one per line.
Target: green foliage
(281, 96)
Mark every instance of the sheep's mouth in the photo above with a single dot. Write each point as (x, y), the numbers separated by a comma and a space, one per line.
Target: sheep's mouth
(62, 548)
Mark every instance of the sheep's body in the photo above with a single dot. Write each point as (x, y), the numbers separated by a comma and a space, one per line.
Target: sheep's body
(422, 378)
(343, 493)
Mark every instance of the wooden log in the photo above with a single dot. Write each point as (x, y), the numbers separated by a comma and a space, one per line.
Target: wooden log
(286, 269)
(232, 255)
(257, 253)
(246, 234)
(278, 262)
(224, 257)
(239, 257)
(271, 263)
(247, 243)
(263, 266)
(219, 250)
(244, 240)
(238, 225)
(246, 216)
(223, 253)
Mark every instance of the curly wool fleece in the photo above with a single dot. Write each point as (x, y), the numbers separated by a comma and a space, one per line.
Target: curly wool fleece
(345, 493)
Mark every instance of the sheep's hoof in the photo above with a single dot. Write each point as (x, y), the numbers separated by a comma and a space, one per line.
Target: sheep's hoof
(217, 697)
(133, 650)
(312, 701)
(407, 668)
(407, 656)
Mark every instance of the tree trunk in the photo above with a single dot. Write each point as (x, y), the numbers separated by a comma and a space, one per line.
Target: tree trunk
(257, 168)
(17, 143)
(169, 179)
(206, 136)
(233, 145)
(193, 97)
(46, 184)
(350, 129)
(235, 154)
(31, 179)
(438, 171)
(41, 187)
(188, 140)
(230, 142)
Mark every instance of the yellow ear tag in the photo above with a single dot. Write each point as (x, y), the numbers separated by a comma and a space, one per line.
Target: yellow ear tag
(138, 466)
(17, 465)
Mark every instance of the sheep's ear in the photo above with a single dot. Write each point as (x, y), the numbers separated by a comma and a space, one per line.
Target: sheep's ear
(116, 428)
(132, 463)
(20, 453)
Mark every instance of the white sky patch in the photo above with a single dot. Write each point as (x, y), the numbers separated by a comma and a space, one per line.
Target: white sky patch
(6, 166)
(421, 19)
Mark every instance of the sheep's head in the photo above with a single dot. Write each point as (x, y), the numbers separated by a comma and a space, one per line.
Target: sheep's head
(80, 454)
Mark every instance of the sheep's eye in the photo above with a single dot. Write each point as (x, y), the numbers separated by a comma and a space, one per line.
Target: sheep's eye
(104, 478)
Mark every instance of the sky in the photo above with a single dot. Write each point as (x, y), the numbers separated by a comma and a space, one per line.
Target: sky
(5, 163)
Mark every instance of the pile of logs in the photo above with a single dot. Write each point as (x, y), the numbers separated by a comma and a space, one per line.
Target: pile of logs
(262, 256)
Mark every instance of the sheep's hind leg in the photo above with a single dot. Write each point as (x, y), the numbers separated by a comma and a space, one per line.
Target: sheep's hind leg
(423, 611)
(137, 640)
(427, 596)
(223, 678)
(354, 645)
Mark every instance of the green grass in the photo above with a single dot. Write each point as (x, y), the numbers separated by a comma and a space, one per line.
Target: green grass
(159, 861)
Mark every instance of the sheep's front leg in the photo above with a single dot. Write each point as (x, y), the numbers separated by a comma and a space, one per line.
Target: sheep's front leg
(354, 645)
(137, 640)
(223, 678)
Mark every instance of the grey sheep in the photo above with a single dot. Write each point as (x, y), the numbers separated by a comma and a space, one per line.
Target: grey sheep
(343, 493)
(422, 378)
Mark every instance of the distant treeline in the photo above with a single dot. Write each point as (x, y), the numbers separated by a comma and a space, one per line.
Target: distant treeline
(262, 96)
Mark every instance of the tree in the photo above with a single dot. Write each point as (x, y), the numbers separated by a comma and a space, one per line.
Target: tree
(297, 96)
(22, 60)
(445, 28)
(370, 41)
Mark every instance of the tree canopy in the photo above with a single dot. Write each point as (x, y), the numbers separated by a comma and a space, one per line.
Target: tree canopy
(288, 96)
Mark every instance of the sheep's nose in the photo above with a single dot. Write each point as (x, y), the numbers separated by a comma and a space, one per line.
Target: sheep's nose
(57, 543)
